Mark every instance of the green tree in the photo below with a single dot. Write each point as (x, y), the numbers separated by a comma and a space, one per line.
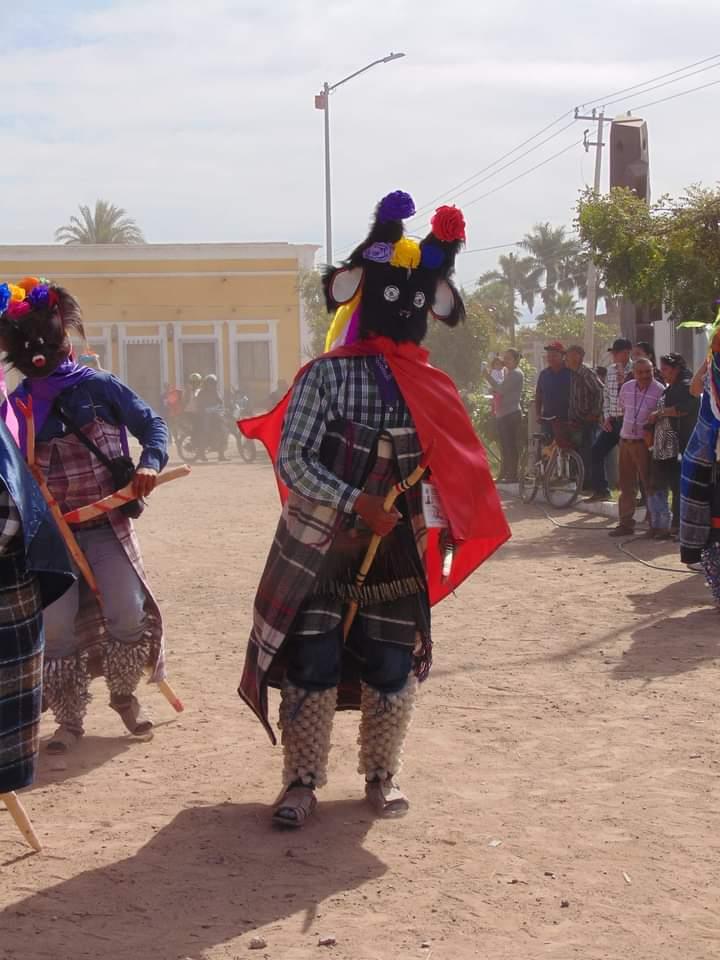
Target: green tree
(495, 299)
(668, 252)
(551, 252)
(316, 315)
(106, 224)
(460, 351)
(520, 275)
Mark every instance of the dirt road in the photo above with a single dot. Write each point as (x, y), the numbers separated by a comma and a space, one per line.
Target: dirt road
(562, 767)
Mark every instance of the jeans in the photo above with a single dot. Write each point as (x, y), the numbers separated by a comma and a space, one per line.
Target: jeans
(508, 428)
(659, 509)
(315, 661)
(605, 442)
(588, 434)
(122, 591)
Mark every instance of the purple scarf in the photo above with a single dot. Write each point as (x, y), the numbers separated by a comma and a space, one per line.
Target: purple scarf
(43, 391)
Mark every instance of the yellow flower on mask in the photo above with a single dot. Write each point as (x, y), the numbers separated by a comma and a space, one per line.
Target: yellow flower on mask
(406, 253)
(16, 293)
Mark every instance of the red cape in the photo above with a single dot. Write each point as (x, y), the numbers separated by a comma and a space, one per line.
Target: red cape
(458, 462)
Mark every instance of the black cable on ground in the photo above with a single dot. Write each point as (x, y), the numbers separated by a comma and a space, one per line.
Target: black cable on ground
(621, 545)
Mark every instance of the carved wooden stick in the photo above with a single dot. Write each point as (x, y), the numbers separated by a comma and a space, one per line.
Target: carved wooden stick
(19, 815)
(391, 497)
(67, 534)
(119, 498)
(172, 698)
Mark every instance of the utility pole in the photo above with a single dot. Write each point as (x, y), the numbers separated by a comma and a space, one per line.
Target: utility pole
(591, 302)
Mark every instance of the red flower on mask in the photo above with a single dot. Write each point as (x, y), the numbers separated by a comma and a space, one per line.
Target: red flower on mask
(448, 224)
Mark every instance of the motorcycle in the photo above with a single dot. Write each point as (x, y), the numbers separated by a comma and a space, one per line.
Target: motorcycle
(214, 437)
(241, 408)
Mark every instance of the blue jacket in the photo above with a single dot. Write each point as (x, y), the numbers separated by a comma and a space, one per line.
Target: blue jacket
(104, 396)
(45, 551)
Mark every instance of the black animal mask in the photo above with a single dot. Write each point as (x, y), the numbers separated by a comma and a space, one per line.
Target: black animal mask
(34, 333)
(400, 281)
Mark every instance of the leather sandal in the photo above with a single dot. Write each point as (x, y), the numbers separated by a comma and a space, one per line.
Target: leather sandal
(62, 740)
(131, 714)
(295, 805)
(386, 798)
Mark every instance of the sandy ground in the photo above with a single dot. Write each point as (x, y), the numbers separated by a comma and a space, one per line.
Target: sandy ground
(562, 766)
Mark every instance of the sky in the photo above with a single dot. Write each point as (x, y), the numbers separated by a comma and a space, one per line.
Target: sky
(198, 117)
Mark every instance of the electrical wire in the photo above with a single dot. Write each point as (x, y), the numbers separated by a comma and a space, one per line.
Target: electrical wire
(430, 203)
(606, 98)
(683, 93)
(659, 86)
(621, 545)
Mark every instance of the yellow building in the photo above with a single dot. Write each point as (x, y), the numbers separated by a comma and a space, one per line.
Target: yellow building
(155, 313)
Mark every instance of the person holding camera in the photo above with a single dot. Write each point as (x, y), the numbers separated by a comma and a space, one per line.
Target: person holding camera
(82, 418)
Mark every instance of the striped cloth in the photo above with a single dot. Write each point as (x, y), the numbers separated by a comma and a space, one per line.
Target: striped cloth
(311, 540)
(696, 483)
(75, 478)
(21, 647)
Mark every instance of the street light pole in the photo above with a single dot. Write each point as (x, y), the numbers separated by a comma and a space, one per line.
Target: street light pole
(592, 273)
(322, 102)
(328, 194)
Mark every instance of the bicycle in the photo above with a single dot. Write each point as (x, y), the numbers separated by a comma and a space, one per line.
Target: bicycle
(557, 468)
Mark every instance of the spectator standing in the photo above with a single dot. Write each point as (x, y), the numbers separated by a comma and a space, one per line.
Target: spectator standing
(508, 413)
(673, 422)
(609, 437)
(552, 393)
(637, 400)
(586, 405)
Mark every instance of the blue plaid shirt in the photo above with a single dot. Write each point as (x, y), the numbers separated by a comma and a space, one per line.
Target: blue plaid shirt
(333, 389)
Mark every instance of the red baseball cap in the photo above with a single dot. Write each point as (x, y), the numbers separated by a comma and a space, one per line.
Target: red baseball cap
(556, 345)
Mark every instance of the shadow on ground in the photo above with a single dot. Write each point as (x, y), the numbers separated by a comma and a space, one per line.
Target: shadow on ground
(213, 874)
(671, 646)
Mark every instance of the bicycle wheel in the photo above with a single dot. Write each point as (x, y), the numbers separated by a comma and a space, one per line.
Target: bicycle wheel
(564, 478)
(527, 479)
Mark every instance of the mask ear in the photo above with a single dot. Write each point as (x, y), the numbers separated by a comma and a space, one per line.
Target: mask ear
(448, 306)
(343, 284)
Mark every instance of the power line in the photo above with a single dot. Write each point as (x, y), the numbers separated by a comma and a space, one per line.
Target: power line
(658, 86)
(549, 126)
(674, 96)
(605, 99)
(644, 87)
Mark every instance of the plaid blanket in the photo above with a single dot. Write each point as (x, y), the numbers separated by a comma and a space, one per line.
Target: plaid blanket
(21, 644)
(312, 555)
(75, 478)
(696, 483)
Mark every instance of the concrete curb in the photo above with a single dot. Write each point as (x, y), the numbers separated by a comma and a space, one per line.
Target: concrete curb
(608, 509)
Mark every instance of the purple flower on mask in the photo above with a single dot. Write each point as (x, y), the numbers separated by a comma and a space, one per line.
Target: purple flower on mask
(395, 206)
(39, 295)
(378, 252)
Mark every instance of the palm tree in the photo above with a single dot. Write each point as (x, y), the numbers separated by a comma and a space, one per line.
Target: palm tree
(550, 249)
(108, 224)
(493, 298)
(520, 275)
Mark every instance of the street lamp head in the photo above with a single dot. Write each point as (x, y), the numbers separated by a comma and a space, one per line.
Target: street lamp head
(392, 56)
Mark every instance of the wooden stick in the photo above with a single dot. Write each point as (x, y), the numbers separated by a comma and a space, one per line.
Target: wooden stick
(390, 498)
(19, 815)
(172, 698)
(119, 498)
(67, 534)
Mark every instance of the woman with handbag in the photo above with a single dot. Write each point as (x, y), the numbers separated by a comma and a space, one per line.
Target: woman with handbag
(82, 419)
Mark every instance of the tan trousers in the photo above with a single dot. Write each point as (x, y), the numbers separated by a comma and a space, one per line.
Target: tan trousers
(634, 466)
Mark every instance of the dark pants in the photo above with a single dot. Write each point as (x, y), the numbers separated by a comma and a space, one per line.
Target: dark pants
(606, 441)
(509, 436)
(316, 661)
(588, 435)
